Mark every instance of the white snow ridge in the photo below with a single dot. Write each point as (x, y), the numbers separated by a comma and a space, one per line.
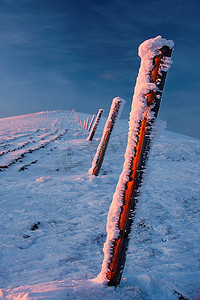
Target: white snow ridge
(53, 213)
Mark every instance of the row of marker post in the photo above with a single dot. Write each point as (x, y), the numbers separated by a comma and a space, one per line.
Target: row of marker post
(84, 124)
(116, 106)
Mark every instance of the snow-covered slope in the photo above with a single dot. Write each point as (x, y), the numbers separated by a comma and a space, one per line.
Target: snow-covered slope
(53, 213)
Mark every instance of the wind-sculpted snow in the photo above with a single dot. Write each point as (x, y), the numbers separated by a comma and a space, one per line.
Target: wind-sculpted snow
(18, 153)
(17, 144)
(53, 214)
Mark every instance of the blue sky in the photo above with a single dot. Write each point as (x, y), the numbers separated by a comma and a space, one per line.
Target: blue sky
(81, 54)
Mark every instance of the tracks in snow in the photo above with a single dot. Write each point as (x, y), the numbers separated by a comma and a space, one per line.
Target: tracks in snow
(17, 153)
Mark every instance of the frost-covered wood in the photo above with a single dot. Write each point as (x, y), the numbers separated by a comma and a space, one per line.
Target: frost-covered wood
(84, 124)
(91, 122)
(155, 61)
(87, 121)
(94, 127)
(115, 110)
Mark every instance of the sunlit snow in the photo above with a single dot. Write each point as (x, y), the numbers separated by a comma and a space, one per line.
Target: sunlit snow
(53, 213)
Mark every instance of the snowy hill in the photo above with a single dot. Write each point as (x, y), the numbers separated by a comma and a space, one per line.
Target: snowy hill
(53, 213)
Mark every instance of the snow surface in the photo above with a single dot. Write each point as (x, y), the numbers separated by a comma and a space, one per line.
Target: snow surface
(53, 213)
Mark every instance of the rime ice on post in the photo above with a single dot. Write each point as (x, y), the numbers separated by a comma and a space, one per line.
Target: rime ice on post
(155, 61)
(94, 127)
(91, 122)
(87, 121)
(84, 124)
(75, 115)
(115, 109)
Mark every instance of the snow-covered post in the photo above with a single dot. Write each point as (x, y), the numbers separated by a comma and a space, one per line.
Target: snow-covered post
(75, 115)
(155, 61)
(94, 127)
(115, 109)
(87, 121)
(91, 122)
(84, 124)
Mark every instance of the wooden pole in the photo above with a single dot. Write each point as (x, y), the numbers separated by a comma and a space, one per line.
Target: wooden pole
(94, 127)
(87, 121)
(127, 190)
(101, 150)
(92, 120)
(84, 124)
(75, 115)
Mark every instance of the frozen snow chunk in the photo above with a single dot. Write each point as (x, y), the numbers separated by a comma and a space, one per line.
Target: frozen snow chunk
(150, 48)
(43, 179)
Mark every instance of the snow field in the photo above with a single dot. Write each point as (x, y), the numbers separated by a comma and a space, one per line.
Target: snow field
(53, 215)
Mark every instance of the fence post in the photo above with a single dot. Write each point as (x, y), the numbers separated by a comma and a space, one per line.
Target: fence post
(75, 115)
(91, 122)
(84, 124)
(94, 127)
(155, 61)
(117, 104)
(87, 121)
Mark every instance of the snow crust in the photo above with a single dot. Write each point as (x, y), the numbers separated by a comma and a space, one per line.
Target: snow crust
(147, 51)
(114, 102)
